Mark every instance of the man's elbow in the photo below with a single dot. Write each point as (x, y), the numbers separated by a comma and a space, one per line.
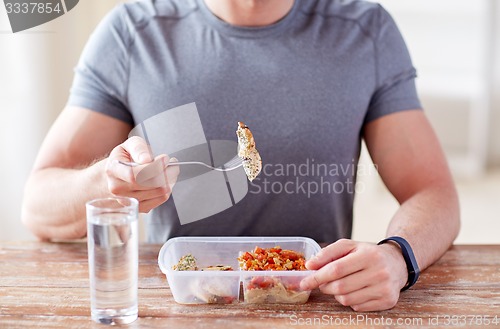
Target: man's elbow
(30, 226)
(452, 205)
(27, 218)
(45, 231)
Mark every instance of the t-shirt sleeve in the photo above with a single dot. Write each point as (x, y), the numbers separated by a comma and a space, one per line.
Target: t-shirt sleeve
(101, 75)
(395, 75)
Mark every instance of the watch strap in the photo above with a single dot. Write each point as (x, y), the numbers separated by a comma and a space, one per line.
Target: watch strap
(409, 257)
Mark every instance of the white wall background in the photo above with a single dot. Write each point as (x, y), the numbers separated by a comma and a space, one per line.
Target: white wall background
(35, 76)
(455, 45)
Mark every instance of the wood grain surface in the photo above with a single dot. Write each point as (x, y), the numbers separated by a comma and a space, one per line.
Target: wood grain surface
(46, 285)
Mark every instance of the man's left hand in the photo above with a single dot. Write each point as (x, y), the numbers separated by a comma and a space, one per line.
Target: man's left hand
(364, 276)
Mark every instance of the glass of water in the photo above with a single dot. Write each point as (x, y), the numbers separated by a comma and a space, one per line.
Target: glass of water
(112, 238)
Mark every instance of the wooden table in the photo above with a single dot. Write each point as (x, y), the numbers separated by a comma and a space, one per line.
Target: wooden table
(46, 285)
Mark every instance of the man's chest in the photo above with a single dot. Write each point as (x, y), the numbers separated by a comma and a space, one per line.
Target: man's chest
(295, 93)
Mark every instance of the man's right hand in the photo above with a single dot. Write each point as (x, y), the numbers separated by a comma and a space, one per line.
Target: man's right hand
(62, 179)
(150, 183)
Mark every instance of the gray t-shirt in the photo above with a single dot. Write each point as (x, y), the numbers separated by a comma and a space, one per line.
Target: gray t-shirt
(305, 85)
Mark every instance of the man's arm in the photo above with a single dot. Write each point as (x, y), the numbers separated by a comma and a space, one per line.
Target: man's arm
(77, 163)
(414, 169)
(369, 277)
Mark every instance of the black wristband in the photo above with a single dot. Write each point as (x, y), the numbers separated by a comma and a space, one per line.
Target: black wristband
(411, 262)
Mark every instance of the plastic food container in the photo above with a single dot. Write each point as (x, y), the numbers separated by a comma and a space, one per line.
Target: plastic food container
(201, 287)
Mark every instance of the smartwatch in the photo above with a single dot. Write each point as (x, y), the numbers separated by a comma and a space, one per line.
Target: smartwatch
(411, 262)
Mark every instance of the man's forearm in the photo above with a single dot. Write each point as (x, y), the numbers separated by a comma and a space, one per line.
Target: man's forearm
(54, 202)
(430, 221)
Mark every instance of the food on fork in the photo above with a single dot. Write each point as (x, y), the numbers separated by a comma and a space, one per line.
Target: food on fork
(252, 163)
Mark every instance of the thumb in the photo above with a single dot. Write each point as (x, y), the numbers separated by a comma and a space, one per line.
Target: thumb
(172, 173)
(138, 149)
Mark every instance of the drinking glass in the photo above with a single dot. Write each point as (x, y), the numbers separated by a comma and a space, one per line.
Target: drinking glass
(112, 239)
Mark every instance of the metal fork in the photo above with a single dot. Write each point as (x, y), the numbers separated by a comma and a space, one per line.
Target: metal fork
(232, 164)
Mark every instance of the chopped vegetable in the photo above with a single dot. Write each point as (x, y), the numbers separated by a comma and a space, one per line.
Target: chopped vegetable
(272, 259)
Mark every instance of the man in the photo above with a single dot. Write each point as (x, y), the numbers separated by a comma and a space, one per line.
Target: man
(311, 78)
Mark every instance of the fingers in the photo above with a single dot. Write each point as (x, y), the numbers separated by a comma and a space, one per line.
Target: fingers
(375, 305)
(331, 253)
(133, 149)
(367, 278)
(333, 271)
(152, 174)
(372, 298)
(150, 193)
(150, 183)
(172, 173)
(159, 173)
(147, 205)
(348, 284)
(149, 197)
(363, 287)
(138, 150)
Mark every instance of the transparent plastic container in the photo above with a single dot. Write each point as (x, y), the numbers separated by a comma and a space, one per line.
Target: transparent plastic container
(201, 287)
